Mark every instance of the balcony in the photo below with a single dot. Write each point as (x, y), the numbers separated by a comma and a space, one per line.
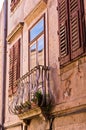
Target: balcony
(33, 93)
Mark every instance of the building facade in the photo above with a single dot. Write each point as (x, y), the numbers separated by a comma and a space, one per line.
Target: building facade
(46, 61)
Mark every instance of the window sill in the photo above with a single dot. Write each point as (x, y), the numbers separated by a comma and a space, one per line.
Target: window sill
(73, 63)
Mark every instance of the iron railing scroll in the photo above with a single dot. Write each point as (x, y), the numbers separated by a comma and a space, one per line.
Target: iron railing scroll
(33, 90)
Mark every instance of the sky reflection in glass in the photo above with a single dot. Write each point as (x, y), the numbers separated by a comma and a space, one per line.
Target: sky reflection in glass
(33, 47)
(37, 29)
(41, 44)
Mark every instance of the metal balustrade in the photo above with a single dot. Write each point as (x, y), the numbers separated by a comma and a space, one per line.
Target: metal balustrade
(29, 86)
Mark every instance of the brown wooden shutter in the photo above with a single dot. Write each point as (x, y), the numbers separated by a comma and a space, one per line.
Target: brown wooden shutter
(18, 60)
(63, 31)
(76, 38)
(10, 72)
(16, 66)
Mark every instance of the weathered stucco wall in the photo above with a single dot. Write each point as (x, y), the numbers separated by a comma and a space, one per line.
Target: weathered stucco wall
(71, 122)
(67, 83)
(20, 12)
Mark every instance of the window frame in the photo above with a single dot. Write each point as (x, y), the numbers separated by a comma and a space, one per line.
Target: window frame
(36, 38)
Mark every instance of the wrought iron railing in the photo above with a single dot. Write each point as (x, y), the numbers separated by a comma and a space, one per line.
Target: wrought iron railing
(33, 90)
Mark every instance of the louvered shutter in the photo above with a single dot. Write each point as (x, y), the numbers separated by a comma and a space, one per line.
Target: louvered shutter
(10, 71)
(16, 66)
(63, 31)
(76, 38)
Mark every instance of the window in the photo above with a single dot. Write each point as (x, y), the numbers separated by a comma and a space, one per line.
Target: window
(14, 67)
(36, 44)
(13, 4)
(71, 29)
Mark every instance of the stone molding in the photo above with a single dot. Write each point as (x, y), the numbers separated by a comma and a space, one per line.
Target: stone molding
(17, 30)
(35, 12)
(71, 107)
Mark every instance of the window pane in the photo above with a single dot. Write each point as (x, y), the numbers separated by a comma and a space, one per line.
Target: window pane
(37, 29)
(41, 44)
(41, 51)
(33, 56)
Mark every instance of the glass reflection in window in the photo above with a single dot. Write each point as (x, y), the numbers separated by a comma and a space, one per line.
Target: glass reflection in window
(37, 29)
(40, 44)
(33, 55)
(41, 50)
(37, 44)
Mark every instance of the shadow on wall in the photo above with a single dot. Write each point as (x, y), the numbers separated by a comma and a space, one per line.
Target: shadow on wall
(54, 84)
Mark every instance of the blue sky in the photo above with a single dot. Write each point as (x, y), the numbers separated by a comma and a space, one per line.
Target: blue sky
(1, 3)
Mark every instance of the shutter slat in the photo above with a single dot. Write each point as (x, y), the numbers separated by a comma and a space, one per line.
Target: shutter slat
(14, 67)
(63, 31)
(73, 4)
(16, 73)
(75, 28)
(10, 72)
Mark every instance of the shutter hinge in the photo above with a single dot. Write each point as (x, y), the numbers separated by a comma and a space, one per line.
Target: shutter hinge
(59, 58)
(58, 32)
(57, 8)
